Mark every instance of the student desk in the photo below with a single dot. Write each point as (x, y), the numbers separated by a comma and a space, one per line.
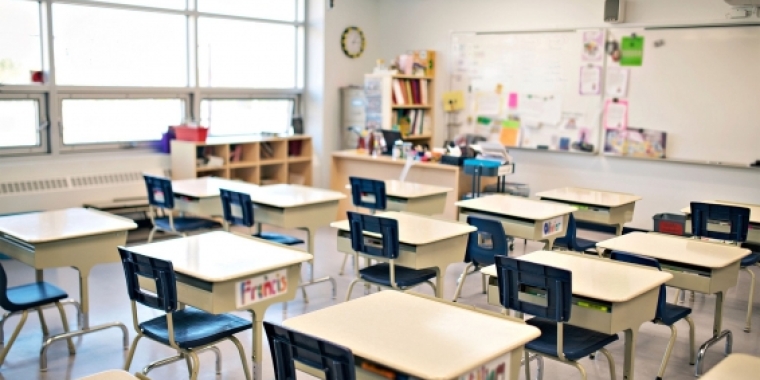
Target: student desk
(701, 266)
(76, 237)
(595, 206)
(216, 270)
(421, 337)
(285, 206)
(415, 197)
(753, 234)
(115, 374)
(521, 218)
(608, 297)
(425, 242)
(735, 367)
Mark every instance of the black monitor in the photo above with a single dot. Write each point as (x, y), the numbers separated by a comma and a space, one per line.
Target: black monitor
(390, 138)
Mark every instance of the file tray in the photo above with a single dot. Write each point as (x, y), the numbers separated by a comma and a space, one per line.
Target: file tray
(487, 168)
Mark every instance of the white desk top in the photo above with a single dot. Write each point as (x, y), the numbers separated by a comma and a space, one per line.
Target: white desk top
(221, 256)
(284, 196)
(754, 210)
(206, 187)
(735, 367)
(114, 374)
(396, 188)
(676, 249)
(417, 229)
(589, 196)
(517, 207)
(46, 226)
(424, 338)
(598, 278)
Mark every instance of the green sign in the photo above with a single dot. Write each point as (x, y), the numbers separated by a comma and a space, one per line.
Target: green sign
(632, 51)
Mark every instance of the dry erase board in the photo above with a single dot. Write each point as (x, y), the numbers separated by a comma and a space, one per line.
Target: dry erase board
(700, 85)
(530, 89)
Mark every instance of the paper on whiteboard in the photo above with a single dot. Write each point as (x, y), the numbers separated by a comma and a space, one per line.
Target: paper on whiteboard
(593, 45)
(616, 114)
(489, 104)
(545, 110)
(617, 82)
(591, 80)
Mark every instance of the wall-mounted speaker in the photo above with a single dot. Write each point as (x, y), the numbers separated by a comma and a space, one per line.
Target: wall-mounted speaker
(614, 11)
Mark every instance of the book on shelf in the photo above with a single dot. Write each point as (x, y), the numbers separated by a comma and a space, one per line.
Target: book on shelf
(423, 91)
(418, 119)
(398, 94)
(409, 91)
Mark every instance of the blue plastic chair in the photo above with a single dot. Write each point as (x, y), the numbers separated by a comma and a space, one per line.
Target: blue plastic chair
(21, 299)
(238, 210)
(705, 214)
(482, 246)
(571, 241)
(366, 193)
(161, 197)
(288, 346)
(667, 314)
(549, 298)
(188, 330)
(385, 248)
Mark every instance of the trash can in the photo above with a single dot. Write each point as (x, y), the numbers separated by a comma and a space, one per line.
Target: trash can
(672, 224)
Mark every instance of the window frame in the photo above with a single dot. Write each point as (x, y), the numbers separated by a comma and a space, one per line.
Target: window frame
(42, 129)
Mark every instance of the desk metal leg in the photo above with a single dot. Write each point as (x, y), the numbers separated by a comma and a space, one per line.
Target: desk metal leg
(310, 248)
(439, 282)
(549, 244)
(630, 350)
(718, 335)
(257, 356)
(619, 229)
(85, 327)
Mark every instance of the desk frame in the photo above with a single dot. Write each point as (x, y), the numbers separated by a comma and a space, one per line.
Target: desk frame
(522, 228)
(611, 216)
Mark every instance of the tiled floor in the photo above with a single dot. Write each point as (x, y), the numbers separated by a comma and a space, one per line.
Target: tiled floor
(109, 302)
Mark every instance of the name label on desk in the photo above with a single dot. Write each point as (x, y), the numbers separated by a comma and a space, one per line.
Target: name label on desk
(260, 288)
(552, 226)
(497, 369)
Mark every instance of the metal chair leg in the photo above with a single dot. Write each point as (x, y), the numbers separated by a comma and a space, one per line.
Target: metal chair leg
(668, 351)
(750, 301)
(350, 288)
(540, 361)
(527, 365)
(432, 285)
(131, 353)
(65, 323)
(679, 296)
(195, 365)
(150, 235)
(483, 281)
(243, 360)
(218, 355)
(692, 349)
(43, 324)
(8, 346)
(189, 363)
(610, 361)
(343, 266)
(462, 278)
(580, 369)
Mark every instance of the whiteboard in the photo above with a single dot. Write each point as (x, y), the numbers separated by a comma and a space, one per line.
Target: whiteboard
(539, 72)
(702, 87)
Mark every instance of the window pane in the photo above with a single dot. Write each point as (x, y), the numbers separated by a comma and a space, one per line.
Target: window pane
(246, 54)
(170, 4)
(283, 10)
(91, 121)
(19, 41)
(246, 116)
(19, 121)
(115, 47)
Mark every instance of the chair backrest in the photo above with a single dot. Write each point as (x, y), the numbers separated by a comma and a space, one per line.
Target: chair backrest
(552, 286)
(287, 346)
(237, 207)
(485, 243)
(160, 271)
(5, 303)
(160, 192)
(570, 234)
(385, 245)
(368, 193)
(704, 214)
(648, 262)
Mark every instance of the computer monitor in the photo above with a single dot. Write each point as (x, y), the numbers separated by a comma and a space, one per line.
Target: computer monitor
(390, 138)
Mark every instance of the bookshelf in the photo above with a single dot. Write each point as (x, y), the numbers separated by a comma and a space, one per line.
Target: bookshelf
(259, 160)
(393, 97)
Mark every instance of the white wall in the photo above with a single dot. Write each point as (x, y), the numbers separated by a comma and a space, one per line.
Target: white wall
(329, 69)
(427, 24)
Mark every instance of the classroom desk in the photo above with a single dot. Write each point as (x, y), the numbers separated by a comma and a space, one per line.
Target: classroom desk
(76, 237)
(753, 234)
(608, 297)
(704, 267)
(425, 242)
(521, 218)
(421, 337)
(595, 206)
(735, 367)
(115, 374)
(415, 197)
(213, 268)
(285, 206)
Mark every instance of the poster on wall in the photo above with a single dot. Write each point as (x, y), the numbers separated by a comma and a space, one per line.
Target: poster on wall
(593, 45)
(616, 114)
(590, 80)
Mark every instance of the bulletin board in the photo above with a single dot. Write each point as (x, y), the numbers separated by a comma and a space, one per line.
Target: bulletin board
(699, 86)
(535, 90)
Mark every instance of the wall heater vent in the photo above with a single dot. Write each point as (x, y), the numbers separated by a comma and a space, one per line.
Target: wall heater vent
(69, 183)
(33, 186)
(105, 179)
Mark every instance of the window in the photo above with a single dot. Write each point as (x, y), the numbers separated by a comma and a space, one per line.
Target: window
(20, 50)
(246, 116)
(97, 121)
(116, 47)
(283, 10)
(168, 4)
(234, 53)
(20, 122)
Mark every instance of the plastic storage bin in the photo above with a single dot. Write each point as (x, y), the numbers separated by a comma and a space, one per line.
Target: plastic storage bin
(672, 224)
(197, 134)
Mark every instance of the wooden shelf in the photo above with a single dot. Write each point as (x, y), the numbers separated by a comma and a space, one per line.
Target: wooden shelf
(403, 76)
(299, 159)
(418, 137)
(411, 107)
(243, 164)
(271, 162)
(209, 169)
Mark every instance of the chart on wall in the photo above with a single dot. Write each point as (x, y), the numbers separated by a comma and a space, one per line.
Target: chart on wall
(540, 90)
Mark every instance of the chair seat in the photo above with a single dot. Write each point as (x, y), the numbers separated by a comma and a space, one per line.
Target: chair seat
(279, 238)
(381, 274)
(578, 342)
(33, 295)
(187, 224)
(673, 313)
(750, 260)
(194, 328)
(582, 245)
